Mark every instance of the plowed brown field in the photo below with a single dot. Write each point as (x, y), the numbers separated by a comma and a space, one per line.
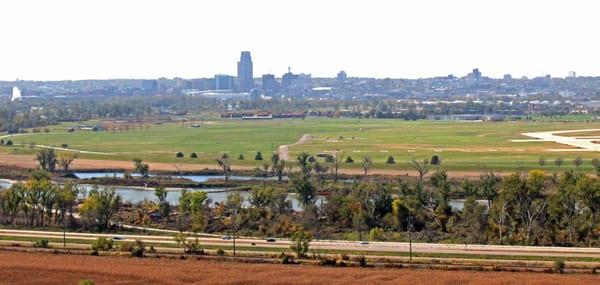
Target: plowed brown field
(44, 268)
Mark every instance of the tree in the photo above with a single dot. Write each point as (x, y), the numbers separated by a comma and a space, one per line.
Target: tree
(163, 203)
(421, 168)
(304, 163)
(179, 154)
(349, 159)
(366, 164)
(390, 160)
(338, 157)
(65, 160)
(578, 161)
(472, 222)
(99, 207)
(542, 161)
(258, 156)
(279, 168)
(320, 170)
(225, 164)
(305, 189)
(140, 167)
(301, 242)
(558, 161)
(489, 186)
(46, 159)
(241, 157)
(193, 155)
(435, 160)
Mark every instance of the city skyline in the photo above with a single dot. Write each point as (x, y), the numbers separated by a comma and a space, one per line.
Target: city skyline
(379, 39)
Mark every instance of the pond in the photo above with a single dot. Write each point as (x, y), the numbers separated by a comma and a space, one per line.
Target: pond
(195, 178)
(216, 195)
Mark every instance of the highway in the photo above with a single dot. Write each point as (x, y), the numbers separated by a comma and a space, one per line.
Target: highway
(340, 245)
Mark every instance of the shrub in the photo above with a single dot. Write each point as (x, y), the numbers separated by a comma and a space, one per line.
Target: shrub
(390, 160)
(102, 243)
(559, 266)
(64, 145)
(86, 282)
(324, 261)
(435, 160)
(220, 251)
(189, 246)
(138, 248)
(179, 155)
(362, 261)
(258, 156)
(349, 159)
(193, 155)
(43, 243)
(377, 234)
(344, 256)
(9, 143)
(286, 259)
(241, 157)
(1, 141)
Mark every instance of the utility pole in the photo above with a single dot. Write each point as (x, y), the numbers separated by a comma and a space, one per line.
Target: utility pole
(410, 226)
(234, 227)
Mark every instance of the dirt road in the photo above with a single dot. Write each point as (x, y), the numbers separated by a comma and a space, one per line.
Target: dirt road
(283, 150)
(42, 268)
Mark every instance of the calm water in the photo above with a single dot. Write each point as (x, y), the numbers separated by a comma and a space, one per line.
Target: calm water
(136, 194)
(195, 178)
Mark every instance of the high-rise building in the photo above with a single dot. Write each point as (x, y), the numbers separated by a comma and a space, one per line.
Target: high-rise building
(150, 85)
(475, 74)
(572, 74)
(269, 83)
(286, 79)
(16, 94)
(342, 76)
(223, 82)
(244, 72)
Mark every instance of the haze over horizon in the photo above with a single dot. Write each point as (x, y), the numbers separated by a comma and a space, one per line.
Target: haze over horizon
(151, 39)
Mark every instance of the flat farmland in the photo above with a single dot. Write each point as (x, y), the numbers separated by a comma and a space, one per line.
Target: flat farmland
(461, 145)
(46, 268)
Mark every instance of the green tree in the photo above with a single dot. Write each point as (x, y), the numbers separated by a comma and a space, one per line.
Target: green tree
(140, 167)
(99, 207)
(163, 203)
(46, 158)
(301, 240)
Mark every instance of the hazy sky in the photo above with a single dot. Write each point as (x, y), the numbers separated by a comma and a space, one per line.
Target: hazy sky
(82, 39)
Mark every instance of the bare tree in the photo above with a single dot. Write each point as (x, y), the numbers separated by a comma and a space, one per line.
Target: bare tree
(338, 158)
(421, 167)
(225, 164)
(65, 160)
(366, 164)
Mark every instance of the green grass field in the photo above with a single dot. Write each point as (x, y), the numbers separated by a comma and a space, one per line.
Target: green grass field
(461, 145)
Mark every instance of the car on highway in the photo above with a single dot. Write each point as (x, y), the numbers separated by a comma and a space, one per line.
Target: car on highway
(362, 242)
(271, 240)
(226, 237)
(118, 238)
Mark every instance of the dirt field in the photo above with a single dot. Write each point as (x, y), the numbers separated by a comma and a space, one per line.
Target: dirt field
(42, 268)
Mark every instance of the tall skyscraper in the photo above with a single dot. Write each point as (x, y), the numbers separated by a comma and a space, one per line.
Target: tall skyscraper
(244, 72)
